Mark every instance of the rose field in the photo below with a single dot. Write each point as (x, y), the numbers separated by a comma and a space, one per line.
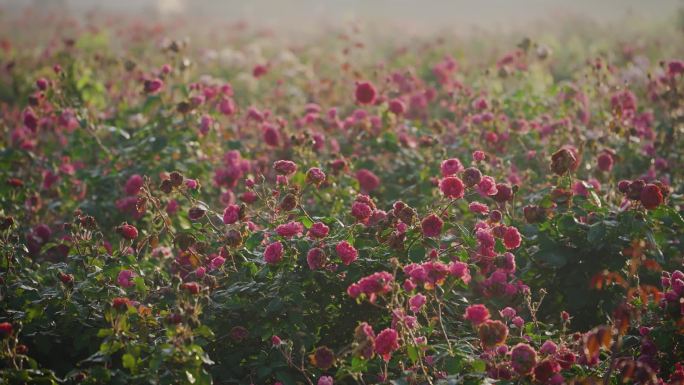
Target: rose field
(201, 203)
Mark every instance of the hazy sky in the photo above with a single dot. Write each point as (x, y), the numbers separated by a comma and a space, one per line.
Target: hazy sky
(434, 13)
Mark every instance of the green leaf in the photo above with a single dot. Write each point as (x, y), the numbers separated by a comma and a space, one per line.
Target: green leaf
(306, 221)
(129, 362)
(597, 233)
(412, 353)
(359, 365)
(478, 366)
(254, 240)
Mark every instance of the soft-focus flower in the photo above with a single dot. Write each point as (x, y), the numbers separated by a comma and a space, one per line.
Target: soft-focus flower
(431, 226)
(386, 342)
(323, 358)
(651, 196)
(563, 161)
(523, 359)
(397, 106)
(546, 369)
(134, 184)
(290, 229)
(450, 167)
(476, 314)
(6, 329)
(231, 214)
(273, 253)
(125, 278)
(605, 162)
(548, 347)
(128, 231)
(315, 176)
(365, 93)
(492, 333)
(512, 238)
(367, 180)
(416, 302)
(318, 230)
(452, 187)
(315, 258)
(346, 252)
(285, 167)
(486, 186)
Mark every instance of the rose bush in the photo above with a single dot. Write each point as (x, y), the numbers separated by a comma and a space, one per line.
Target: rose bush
(168, 217)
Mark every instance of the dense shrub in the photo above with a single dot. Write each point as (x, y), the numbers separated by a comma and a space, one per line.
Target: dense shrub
(173, 214)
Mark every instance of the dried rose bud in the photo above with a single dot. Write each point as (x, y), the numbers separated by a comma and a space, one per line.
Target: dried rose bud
(562, 161)
(634, 189)
(234, 238)
(176, 179)
(471, 176)
(196, 213)
(289, 202)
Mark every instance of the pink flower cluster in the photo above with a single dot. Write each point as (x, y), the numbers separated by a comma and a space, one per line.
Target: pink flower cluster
(378, 283)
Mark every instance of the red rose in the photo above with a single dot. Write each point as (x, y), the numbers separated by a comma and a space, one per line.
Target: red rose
(127, 231)
(6, 329)
(651, 196)
(365, 93)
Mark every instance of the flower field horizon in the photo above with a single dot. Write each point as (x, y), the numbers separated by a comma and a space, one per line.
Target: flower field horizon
(189, 201)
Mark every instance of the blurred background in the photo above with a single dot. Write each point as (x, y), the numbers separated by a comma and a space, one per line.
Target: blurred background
(463, 15)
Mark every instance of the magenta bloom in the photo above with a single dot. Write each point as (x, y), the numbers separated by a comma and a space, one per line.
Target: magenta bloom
(549, 347)
(508, 312)
(134, 184)
(397, 106)
(325, 380)
(273, 253)
(354, 290)
(231, 214)
(128, 231)
(315, 176)
(452, 187)
(125, 278)
(416, 302)
(431, 226)
(365, 93)
(523, 359)
(285, 167)
(386, 342)
(512, 238)
(373, 285)
(346, 252)
(651, 196)
(319, 230)
(487, 186)
(361, 211)
(451, 167)
(476, 314)
(206, 122)
(479, 156)
(290, 229)
(153, 86)
(605, 162)
(478, 208)
(271, 135)
(367, 180)
(460, 270)
(216, 263)
(315, 258)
